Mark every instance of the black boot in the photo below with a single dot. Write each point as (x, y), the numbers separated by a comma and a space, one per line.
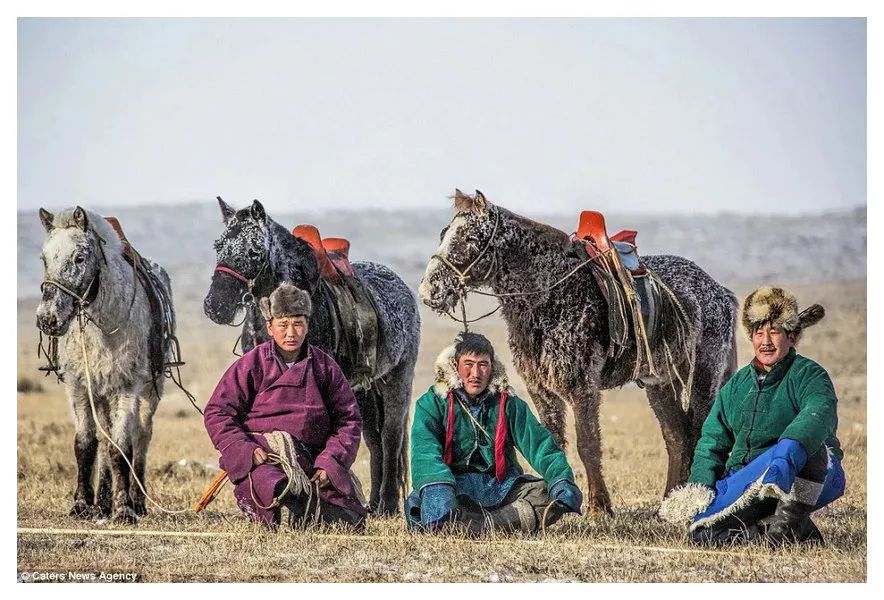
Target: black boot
(791, 523)
(741, 527)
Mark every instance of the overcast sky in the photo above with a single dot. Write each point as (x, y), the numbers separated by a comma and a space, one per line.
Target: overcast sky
(762, 115)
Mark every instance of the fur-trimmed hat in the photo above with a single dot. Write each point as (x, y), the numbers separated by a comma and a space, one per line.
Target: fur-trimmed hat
(778, 306)
(286, 300)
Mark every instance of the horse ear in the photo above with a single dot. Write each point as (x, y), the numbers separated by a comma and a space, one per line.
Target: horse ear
(46, 218)
(80, 218)
(480, 201)
(227, 211)
(257, 212)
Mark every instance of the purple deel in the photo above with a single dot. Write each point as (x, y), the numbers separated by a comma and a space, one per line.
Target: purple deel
(259, 393)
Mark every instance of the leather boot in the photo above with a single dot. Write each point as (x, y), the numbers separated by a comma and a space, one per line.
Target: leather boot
(791, 523)
(516, 516)
(744, 526)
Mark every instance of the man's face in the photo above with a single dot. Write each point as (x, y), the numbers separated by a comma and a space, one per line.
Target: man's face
(475, 372)
(288, 332)
(771, 344)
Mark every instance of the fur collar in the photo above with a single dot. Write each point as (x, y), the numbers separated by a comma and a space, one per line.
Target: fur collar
(447, 378)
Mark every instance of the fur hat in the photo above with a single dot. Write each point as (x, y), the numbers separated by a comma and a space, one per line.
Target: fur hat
(778, 306)
(286, 300)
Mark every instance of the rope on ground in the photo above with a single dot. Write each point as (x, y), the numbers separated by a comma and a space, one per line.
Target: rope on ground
(432, 540)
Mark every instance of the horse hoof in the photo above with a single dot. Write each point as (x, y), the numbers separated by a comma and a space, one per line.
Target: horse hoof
(386, 510)
(81, 510)
(139, 508)
(124, 516)
(599, 511)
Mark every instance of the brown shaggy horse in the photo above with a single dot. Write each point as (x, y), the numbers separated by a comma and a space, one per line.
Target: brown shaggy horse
(559, 337)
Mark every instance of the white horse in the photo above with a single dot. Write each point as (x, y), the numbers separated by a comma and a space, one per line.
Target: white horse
(93, 296)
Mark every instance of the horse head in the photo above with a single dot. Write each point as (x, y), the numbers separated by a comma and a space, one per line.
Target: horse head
(466, 255)
(71, 258)
(243, 262)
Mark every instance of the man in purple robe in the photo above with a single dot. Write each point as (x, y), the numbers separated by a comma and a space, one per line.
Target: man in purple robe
(286, 387)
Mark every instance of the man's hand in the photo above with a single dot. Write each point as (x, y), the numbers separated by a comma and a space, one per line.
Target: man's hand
(259, 457)
(567, 494)
(321, 478)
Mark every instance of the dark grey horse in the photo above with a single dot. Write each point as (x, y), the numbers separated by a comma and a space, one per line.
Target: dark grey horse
(559, 337)
(260, 249)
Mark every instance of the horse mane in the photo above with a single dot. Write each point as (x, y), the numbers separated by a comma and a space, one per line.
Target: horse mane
(95, 222)
(544, 232)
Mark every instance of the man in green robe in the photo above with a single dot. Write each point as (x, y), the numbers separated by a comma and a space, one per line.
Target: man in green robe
(466, 430)
(767, 455)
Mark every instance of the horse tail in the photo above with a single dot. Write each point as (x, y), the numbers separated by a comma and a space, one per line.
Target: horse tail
(731, 366)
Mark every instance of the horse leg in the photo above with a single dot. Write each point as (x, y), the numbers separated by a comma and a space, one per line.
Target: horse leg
(144, 433)
(665, 401)
(551, 409)
(103, 492)
(85, 450)
(371, 433)
(396, 397)
(124, 422)
(711, 374)
(589, 448)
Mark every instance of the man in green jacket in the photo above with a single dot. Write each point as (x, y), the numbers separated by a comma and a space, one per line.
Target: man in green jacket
(767, 455)
(466, 429)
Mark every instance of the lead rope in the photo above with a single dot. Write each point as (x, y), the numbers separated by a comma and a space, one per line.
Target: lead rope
(102, 430)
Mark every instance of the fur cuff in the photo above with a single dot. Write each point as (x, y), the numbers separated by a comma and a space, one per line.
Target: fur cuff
(685, 502)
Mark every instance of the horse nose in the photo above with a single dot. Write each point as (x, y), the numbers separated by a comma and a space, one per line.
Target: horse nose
(47, 321)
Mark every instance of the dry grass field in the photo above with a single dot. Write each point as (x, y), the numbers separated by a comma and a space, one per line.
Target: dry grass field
(632, 546)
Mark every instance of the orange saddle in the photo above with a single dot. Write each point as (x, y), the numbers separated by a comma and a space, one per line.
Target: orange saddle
(332, 254)
(592, 227)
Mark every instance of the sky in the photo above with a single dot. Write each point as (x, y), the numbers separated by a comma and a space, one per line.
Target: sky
(542, 115)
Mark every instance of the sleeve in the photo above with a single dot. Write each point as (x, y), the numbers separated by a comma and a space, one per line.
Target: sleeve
(345, 428)
(427, 437)
(536, 443)
(224, 414)
(817, 416)
(715, 443)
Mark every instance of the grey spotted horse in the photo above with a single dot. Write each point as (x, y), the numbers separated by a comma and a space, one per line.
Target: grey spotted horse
(125, 321)
(254, 255)
(559, 337)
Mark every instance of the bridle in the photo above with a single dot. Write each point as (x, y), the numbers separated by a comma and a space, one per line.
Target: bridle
(463, 287)
(248, 297)
(462, 275)
(82, 301)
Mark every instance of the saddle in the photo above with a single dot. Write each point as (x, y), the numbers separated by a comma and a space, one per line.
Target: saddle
(162, 321)
(354, 319)
(632, 294)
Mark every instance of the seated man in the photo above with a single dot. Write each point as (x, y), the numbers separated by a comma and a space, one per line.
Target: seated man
(767, 455)
(463, 440)
(287, 424)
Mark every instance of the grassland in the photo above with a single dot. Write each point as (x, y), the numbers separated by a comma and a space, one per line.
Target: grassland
(632, 546)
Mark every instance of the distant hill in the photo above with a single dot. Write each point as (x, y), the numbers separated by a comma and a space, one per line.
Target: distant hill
(801, 248)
